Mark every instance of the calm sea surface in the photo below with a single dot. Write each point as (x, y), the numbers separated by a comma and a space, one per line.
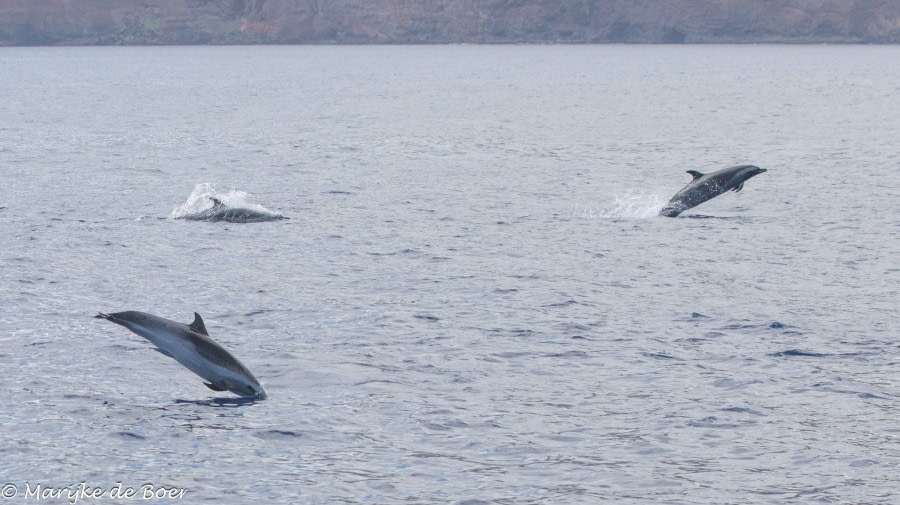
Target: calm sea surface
(473, 301)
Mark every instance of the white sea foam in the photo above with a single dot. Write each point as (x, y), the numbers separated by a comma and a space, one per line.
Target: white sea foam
(629, 205)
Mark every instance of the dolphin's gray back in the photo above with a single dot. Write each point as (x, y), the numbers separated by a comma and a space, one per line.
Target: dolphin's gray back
(708, 186)
(204, 345)
(221, 212)
(133, 319)
(215, 353)
(188, 345)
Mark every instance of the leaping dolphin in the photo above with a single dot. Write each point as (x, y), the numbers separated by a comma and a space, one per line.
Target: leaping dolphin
(191, 346)
(707, 186)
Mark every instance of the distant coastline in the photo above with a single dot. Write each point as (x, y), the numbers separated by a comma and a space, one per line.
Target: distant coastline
(224, 22)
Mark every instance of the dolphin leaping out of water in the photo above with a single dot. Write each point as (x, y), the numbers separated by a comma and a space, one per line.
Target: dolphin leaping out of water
(707, 186)
(191, 346)
(221, 212)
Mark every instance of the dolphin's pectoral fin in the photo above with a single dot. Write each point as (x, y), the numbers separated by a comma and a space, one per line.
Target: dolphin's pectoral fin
(164, 353)
(214, 387)
(696, 175)
(738, 187)
(198, 325)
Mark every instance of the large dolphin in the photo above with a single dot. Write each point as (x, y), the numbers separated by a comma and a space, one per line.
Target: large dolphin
(221, 212)
(191, 346)
(708, 186)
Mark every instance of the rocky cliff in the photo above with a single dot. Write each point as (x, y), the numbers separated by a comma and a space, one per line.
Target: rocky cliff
(111, 22)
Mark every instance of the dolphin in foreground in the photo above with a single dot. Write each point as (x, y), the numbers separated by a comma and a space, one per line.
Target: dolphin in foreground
(190, 345)
(221, 212)
(707, 186)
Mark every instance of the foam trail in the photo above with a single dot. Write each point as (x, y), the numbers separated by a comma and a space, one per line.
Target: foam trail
(630, 205)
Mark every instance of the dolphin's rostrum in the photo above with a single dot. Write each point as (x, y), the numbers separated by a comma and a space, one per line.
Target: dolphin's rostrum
(707, 186)
(191, 346)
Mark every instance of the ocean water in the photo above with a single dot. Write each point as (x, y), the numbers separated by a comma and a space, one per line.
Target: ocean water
(473, 301)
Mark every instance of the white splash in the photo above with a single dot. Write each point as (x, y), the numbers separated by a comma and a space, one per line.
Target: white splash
(201, 199)
(630, 205)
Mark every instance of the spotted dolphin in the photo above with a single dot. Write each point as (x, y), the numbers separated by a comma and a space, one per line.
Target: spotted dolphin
(221, 212)
(190, 345)
(707, 186)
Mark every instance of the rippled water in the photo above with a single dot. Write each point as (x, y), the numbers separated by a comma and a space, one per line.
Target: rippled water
(472, 301)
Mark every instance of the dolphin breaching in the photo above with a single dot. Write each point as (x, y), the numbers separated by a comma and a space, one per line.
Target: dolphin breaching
(708, 186)
(205, 204)
(190, 345)
(221, 212)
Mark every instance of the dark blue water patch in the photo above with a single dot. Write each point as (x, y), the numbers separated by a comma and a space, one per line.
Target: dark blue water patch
(384, 381)
(745, 326)
(337, 192)
(743, 410)
(516, 332)
(513, 355)
(739, 326)
(713, 422)
(798, 353)
(258, 311)
(659, 356)
(435, 426)
(230, 402)
(785, 329)
(579, 327)
(704, 216)
(567, 354)
(123, 347)
(692, 340)
(427, 317)
(127, 435)
(278, 435)
(870, 395)
(697, 315)
(566, 303)
(395, 253)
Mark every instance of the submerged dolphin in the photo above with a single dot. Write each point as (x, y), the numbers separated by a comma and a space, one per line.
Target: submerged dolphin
(221, 212)
(191, 346)
(707, 186)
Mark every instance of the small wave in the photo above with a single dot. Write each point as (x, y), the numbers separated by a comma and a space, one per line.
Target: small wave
(629, 205)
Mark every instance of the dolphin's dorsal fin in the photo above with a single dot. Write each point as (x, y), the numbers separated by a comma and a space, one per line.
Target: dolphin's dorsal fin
(696, 174)
(198, 325)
